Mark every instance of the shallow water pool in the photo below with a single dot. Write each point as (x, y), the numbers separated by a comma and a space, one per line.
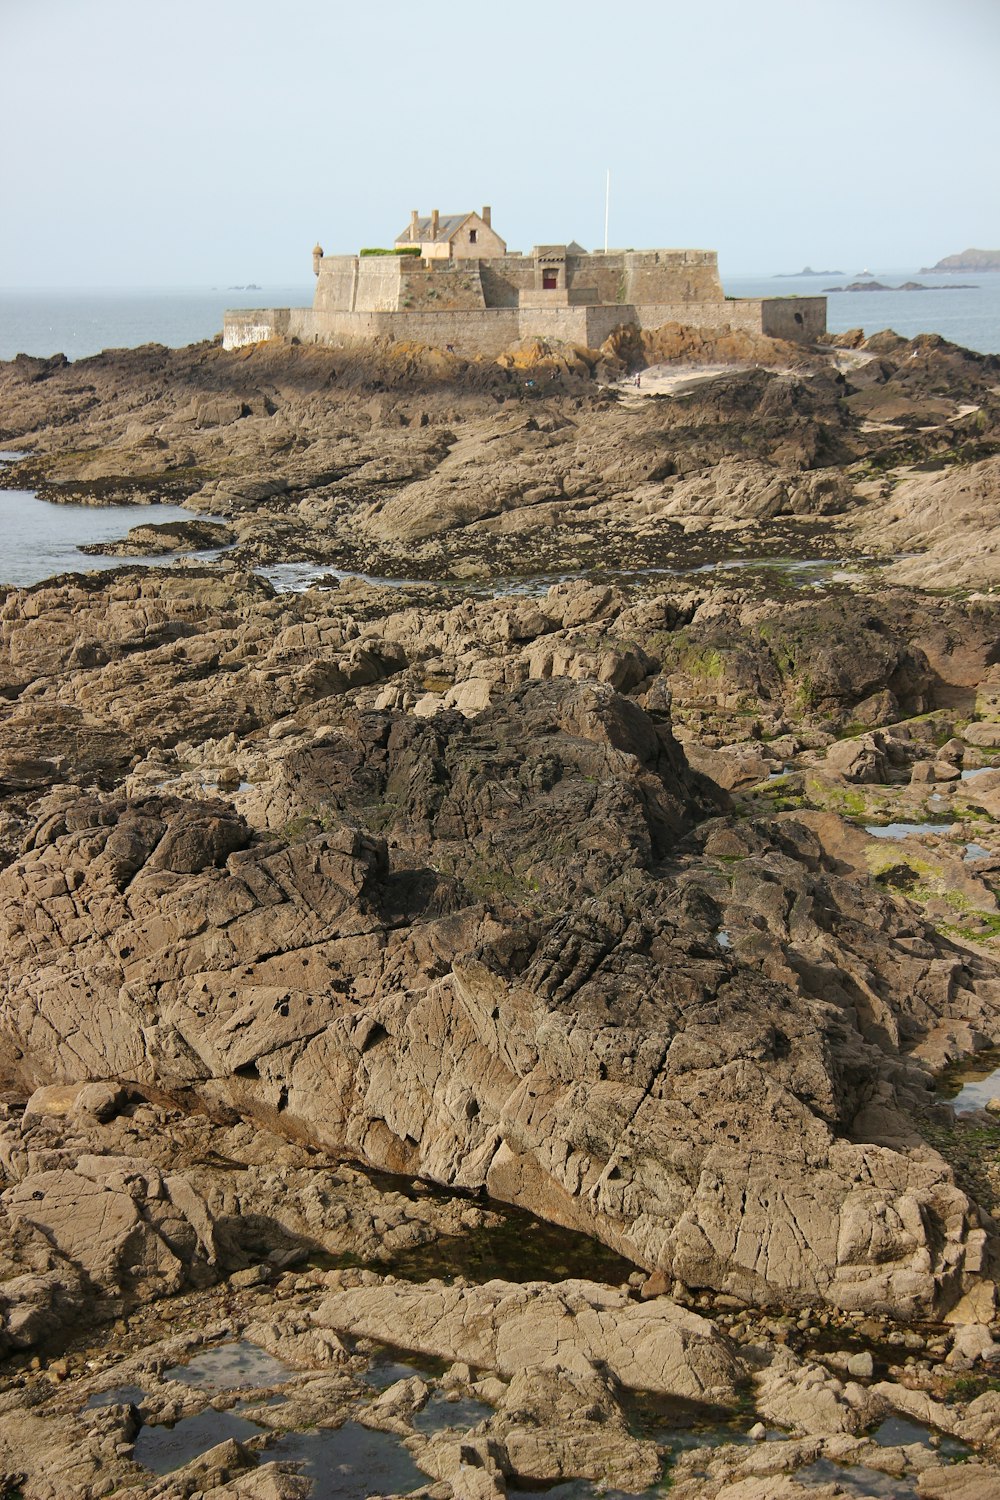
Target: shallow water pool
(900, 1432)
(164, 1448)
(975, 851)
(231, 1367)
(351, 1462)
(856, 1479)
(971, 1084)
(121, 1395)
(905, 830)
(440, 1414)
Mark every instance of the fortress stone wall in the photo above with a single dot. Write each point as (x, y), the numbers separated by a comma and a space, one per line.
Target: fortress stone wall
(482, 306)
(488, 331)
(401, 283)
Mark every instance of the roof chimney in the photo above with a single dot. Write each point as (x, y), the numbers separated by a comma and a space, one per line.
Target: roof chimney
(485, 216)
(414, 231)
(435, 217)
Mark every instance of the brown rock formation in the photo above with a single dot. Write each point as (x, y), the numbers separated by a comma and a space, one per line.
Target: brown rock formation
(588, 1061)
(436, 882)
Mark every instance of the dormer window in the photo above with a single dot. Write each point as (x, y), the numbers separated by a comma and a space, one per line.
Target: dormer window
(473, 236)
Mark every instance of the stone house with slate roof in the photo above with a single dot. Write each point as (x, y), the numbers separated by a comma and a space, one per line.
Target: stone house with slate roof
(450, 281)
(457, 236)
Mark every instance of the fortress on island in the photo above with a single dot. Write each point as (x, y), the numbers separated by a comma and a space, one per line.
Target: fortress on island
(450, 281)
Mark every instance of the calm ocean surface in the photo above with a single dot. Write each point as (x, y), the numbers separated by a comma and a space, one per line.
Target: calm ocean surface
(78, 323)
(39, 539)
(85, 321)
(970, 318)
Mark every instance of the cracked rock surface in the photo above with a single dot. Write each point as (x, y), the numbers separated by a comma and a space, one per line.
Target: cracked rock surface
(524, 968)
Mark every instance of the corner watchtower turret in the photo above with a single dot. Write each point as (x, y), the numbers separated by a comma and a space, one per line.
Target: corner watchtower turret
(317, 257)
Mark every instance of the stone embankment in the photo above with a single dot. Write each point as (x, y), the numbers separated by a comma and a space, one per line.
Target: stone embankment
(647, 901)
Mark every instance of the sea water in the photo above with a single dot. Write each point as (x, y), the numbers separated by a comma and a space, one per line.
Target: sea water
(83, 321)
(40, 539)
(967, 317)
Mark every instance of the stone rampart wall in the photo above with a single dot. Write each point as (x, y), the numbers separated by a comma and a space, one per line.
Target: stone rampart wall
(799, 319)
(606, 273)
(569, 324)
(254, 325)
(777, 317)
(450, 284)
(380, 283)
(711, 316)
(742, 313)
(648, 276)
(489, 330)
(669, 276)
(501, 284)
(504, 280)
(484, 330)
(336, 284)
(388, 283)
(802, 319)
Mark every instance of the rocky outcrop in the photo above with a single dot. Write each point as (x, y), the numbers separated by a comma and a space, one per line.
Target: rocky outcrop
(113, 1231)
(397, 460)
(554, 894)
(510, 1329)
(170, 536)
(501, 989)
(111, 1200)
(738, 490)
(950, 520)
(808, 1398)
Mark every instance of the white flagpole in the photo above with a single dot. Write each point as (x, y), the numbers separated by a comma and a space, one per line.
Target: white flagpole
(607, 210)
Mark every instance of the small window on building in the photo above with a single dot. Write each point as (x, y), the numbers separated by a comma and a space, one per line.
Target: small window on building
(550, 280)
(798, 319)
(473, 236)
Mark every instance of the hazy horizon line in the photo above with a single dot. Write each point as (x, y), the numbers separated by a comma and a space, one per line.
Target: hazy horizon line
(743, 274)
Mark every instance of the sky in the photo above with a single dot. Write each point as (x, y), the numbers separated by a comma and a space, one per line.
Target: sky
(204, 142)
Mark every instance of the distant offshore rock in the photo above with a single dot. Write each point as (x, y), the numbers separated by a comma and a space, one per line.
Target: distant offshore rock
(806, 271)
(966, 260)
(906, 286)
